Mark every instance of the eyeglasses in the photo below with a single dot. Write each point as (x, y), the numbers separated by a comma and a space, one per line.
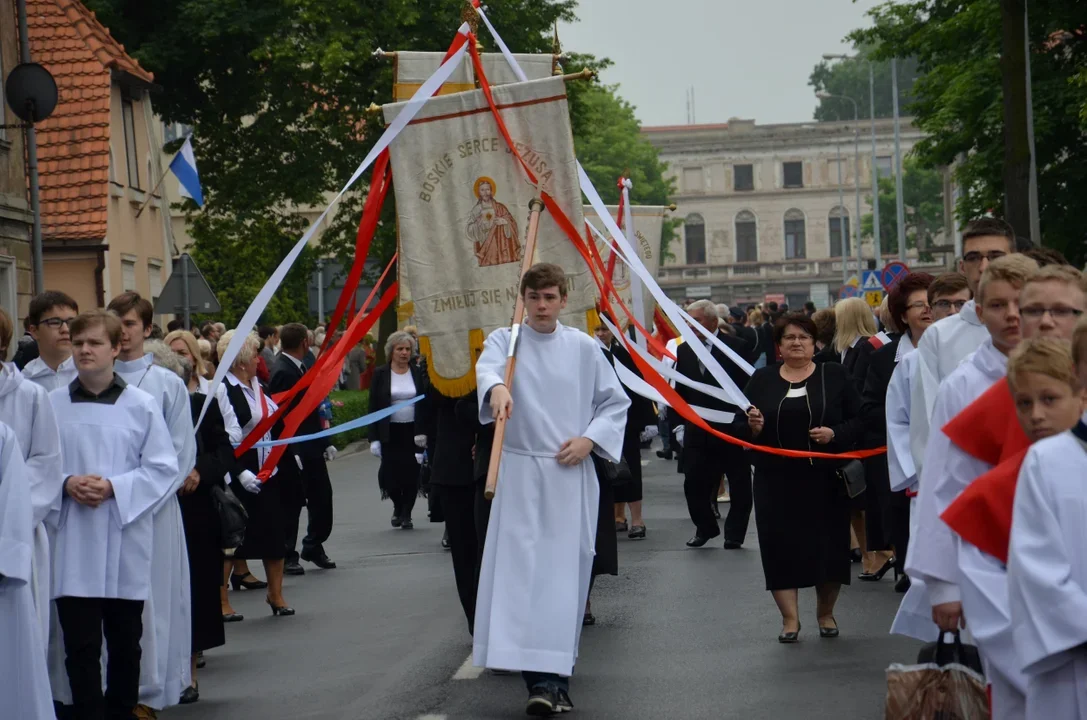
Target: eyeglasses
(919, 305)
(945, 305)
(973, 258)
(1060, 312)
(796, 338)
(55, 322)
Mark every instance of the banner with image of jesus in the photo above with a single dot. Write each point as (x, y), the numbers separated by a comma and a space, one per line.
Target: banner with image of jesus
(462, 204)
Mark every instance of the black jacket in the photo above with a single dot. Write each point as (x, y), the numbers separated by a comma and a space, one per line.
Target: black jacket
(856, 361)
(214, 452)
(687, 364)
(451, 438)
(749, 336)
(285, 375)
(874, 398)
(381, 398)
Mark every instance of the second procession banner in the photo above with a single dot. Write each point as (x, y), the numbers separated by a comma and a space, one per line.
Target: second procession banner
(648, 226)
(462, 209)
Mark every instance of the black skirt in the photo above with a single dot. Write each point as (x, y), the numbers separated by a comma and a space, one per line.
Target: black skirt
(399, 473)
(631, 491)
(606, 561)
(802, 519)
(204, 547)
(265, 530)
(877, 509)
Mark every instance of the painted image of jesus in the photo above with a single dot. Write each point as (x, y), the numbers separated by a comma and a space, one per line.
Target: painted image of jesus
(492, 228)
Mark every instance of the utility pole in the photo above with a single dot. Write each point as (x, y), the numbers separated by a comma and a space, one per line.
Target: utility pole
(877, 247)
(32, 162)
(900, 205)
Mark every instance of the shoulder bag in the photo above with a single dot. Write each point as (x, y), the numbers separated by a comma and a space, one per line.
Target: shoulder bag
(852, 472)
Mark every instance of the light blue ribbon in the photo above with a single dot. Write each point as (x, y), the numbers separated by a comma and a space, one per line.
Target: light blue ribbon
(349, 425)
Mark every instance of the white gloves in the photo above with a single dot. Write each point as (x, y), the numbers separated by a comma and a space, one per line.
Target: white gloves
(649, 433)
(375, 449)
(419, 458)
(420, 441)
(330, 453)
(249, 481)
(679, 435)
(298, 462)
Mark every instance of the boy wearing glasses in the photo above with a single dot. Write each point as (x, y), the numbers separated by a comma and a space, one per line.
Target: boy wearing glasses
(50, 314)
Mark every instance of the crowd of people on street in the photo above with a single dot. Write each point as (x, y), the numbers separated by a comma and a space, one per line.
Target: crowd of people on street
(958, 405)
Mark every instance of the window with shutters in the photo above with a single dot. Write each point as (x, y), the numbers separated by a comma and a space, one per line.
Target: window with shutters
(694, 238)
(838, 225)
(795, 246)
(128, 118)
(747, 237)
(793, 174)
(743, 177)
(128, 275)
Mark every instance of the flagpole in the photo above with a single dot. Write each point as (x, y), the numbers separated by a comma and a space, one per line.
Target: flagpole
(158, 185)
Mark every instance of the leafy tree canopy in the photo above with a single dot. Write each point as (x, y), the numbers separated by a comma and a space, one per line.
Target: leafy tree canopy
(850, 78)
(922, 198)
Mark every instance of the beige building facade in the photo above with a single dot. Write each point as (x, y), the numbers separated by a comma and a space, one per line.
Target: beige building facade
(761, 209)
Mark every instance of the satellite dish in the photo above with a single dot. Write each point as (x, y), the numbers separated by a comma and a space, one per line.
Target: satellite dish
(31, 92)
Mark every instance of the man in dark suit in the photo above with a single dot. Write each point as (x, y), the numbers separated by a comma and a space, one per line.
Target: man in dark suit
(738, 320)
(314, 489)
(705, 456)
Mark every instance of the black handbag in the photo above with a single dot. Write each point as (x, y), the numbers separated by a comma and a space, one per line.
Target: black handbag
(232, 518)
(616, 473)
(852, 473)
(944, 653)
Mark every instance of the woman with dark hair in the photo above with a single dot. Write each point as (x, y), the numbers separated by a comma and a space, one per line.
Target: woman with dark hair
(400, 439)
(887, 514)
(801, 506)
(825, 328)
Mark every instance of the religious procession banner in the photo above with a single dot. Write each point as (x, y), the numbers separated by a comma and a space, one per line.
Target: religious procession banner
(411, 69)
(462, 204)
(648, 225)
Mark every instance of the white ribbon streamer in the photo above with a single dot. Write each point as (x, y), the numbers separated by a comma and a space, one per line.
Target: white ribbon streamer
(636, 294)
(260, 302)
(640, 387)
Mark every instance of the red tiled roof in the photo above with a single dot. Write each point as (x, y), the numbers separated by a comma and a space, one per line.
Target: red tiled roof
(73, 144)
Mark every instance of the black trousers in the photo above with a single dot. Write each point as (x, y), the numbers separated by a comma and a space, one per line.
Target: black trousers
(458, 505)
(900, 527)
(84, 620)
(318, 502)
(703, 468)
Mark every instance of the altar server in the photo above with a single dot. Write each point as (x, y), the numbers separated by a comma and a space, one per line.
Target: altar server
(119, 465)
(25, 407)
(949, 341)
(1047, 569)
(48, 318)
(165, 670)
(566, 403)
(947, 469)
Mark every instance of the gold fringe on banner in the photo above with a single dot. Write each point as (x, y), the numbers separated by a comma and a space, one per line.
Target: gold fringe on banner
(592, 320)
(458, 386)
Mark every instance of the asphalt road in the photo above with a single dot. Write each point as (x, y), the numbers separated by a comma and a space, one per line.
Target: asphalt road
(680, 633)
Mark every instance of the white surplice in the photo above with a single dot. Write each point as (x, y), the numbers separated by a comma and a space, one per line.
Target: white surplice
(1047, 577)
(41, 374)
(542, 533)
(25, 407)
(942, 349)
(26, 694)
(947, 470)
(165, 668)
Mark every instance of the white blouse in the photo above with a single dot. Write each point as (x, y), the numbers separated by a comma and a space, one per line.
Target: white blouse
(402, 388)
(260, 407)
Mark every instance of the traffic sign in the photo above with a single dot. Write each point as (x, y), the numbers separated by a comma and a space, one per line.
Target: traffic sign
(892, 273)
(873, 298)
(186, 284)
(871, 281)
(848, 291)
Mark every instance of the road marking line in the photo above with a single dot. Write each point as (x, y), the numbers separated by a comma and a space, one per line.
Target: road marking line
(467, 671)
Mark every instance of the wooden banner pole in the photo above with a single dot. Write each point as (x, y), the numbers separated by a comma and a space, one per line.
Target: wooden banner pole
(535, 208)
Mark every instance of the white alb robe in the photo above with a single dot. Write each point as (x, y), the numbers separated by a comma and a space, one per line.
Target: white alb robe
(1047, 578)
(41, 374)
(165, 668)
(541, 537)
(25, 407)
(946, 472)
(942, 349)
(26, 694)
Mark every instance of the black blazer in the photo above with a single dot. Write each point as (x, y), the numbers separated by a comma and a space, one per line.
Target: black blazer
(285, 375)
(856, 361)
(467, 413)
(874, 397)
(250, 460)
(214, 451)
(749, 336)
(640, 414)
(451, 438)
(381, 398)
(687, 365)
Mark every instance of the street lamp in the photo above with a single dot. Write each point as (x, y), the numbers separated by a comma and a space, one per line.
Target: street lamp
(823, 95)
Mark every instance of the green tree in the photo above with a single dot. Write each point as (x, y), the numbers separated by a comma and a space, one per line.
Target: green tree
(849, 78)
(958, 101)
(923, 201)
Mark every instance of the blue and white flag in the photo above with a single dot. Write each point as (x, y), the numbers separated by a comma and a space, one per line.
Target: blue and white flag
(184, 168)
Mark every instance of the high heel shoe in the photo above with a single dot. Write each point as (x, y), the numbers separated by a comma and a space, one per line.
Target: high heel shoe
(239, 581)
(787, 638)
(878, 575)
(280, 610)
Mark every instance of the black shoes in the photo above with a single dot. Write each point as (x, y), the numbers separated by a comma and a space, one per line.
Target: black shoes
(280, 610)
(637, 532)
(563, 703)
(855, 555)
(699, 539)
(733, 545)
(318, 558)
(407, 524)
(788, 638)
(239, 582)
(291, 567)
(396, 521)
(233, 617)
(588, 619)
(620, 526)
(664, 454)
(903, 584)
(877, 575)
(542, 702)
(190, 694)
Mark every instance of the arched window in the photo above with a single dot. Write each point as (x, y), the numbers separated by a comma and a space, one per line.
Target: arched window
(694, 235)
(747, 237)
(838, 227)
(795, 245)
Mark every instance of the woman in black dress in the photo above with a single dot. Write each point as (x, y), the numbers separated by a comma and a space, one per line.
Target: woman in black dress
(203, 538)
(801, 507)
(266, 527)
(400, 439)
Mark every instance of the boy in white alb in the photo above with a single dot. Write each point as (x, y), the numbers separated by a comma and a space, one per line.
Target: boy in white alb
(119, 464)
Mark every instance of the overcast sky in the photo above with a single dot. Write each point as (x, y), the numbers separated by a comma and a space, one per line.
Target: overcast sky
(745, 58)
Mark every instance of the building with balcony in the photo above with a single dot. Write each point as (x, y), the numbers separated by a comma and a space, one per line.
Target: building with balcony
(760, 207)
